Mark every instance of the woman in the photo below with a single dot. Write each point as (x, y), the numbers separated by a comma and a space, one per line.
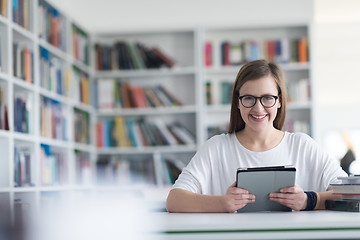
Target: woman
(254, 139)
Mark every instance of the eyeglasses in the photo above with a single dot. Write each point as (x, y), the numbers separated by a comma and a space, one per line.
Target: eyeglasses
(249, 101)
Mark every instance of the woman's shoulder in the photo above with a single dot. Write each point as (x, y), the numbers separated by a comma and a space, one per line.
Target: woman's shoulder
(220, 139)
(299, 137)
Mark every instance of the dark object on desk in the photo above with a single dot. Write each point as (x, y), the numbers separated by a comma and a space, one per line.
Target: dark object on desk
(346, 161)
(348, 205)
(261, 181)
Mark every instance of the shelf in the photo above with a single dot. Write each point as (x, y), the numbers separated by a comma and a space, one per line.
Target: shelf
(54, 142)
(83, 67)
(146, 111)
(83, 107)
(4, 76)
(23, 137)
(4, 133)
(54, 50)
(21, 83)
(49, 94)
(235, 69)
(223, 108)
(299, 105)
(147, 150)
(4, 20)
(23, 32)
(146, 73)
(84, 147)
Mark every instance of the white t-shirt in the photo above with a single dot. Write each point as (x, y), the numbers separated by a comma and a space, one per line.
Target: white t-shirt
(213, 168)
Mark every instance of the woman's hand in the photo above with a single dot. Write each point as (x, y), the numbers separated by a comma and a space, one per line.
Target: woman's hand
(292, 197)
(236, 198)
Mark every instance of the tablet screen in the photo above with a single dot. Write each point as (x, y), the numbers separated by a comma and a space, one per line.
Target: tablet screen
(262, 181)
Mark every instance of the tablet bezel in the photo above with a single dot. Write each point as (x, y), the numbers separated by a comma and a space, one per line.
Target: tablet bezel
(275, 177)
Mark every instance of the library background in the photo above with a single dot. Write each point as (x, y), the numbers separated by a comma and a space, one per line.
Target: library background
(84, 112)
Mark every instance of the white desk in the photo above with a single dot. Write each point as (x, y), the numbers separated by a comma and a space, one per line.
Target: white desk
(275, 225)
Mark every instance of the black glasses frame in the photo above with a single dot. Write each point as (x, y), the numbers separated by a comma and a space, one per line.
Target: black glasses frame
(261, 100)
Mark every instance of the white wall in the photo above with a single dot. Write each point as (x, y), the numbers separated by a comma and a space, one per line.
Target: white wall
(336, 62)
(100, 16)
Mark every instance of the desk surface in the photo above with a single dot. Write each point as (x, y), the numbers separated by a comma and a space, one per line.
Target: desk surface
(274, 225)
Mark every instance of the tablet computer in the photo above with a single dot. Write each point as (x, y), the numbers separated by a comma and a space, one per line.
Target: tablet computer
(261, 181)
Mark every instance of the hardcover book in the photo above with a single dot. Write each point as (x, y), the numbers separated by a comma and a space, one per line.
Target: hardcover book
(349, 205)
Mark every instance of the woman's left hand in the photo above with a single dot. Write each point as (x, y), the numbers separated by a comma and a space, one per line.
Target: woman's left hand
(292, 197)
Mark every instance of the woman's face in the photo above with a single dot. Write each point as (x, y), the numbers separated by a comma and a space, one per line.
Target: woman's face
(259, 118)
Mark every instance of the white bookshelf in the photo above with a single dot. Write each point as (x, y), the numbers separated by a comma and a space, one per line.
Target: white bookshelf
(33, 92)
(181, 80)
(186, 80)
(217, 113)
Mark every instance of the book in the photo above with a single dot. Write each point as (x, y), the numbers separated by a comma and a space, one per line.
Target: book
(349, 205)
(345, 188)
(350, 180)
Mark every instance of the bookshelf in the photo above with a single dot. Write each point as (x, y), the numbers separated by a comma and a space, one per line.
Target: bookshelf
(46, 106)
(225, 49)
(169, 104)
(64, 124)
(200, 79)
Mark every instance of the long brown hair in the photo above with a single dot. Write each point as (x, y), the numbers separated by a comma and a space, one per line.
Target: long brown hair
(253, 71)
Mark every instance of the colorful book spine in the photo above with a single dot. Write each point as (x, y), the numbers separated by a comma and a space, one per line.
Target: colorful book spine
(80, 45)
(282, 50)
(52, 121)
(23, 62)
(131, 56)
(83, 167)
(121, 94)
(4, 119)
(53, 167)
(81, 126)
(21, 12)
(52, 73)
(23, 175)
(3, 8)
(22, 114)
(82, 86)
(52, 25)
(131, 132)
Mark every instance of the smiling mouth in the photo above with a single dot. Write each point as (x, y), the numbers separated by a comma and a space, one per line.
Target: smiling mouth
(258, 116)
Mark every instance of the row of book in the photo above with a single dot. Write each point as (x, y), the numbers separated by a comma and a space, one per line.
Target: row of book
(299, 91)
(52, 25)
(21, 12)
(81, 126)
(111, 170)
(53, 124)
(173, 168)
(348, 194)
(131, 132)
(82, 86)
(218, 92)
(4, 119)
(53, 166)
(53, 75)
(216, 130)
(80, 44)
(83, 168)
(22, 111)
(283, 50)
(23, 62)
(126, 56)
(3, 8)
(121, 94)
(23, 159)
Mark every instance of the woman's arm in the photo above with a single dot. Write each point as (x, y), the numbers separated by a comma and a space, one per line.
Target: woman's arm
(322, 197)
(180, 200)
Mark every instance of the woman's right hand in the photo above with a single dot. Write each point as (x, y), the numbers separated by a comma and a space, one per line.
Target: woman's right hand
(236, 198)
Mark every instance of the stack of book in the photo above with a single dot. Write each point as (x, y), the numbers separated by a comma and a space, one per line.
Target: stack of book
(349, 195)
